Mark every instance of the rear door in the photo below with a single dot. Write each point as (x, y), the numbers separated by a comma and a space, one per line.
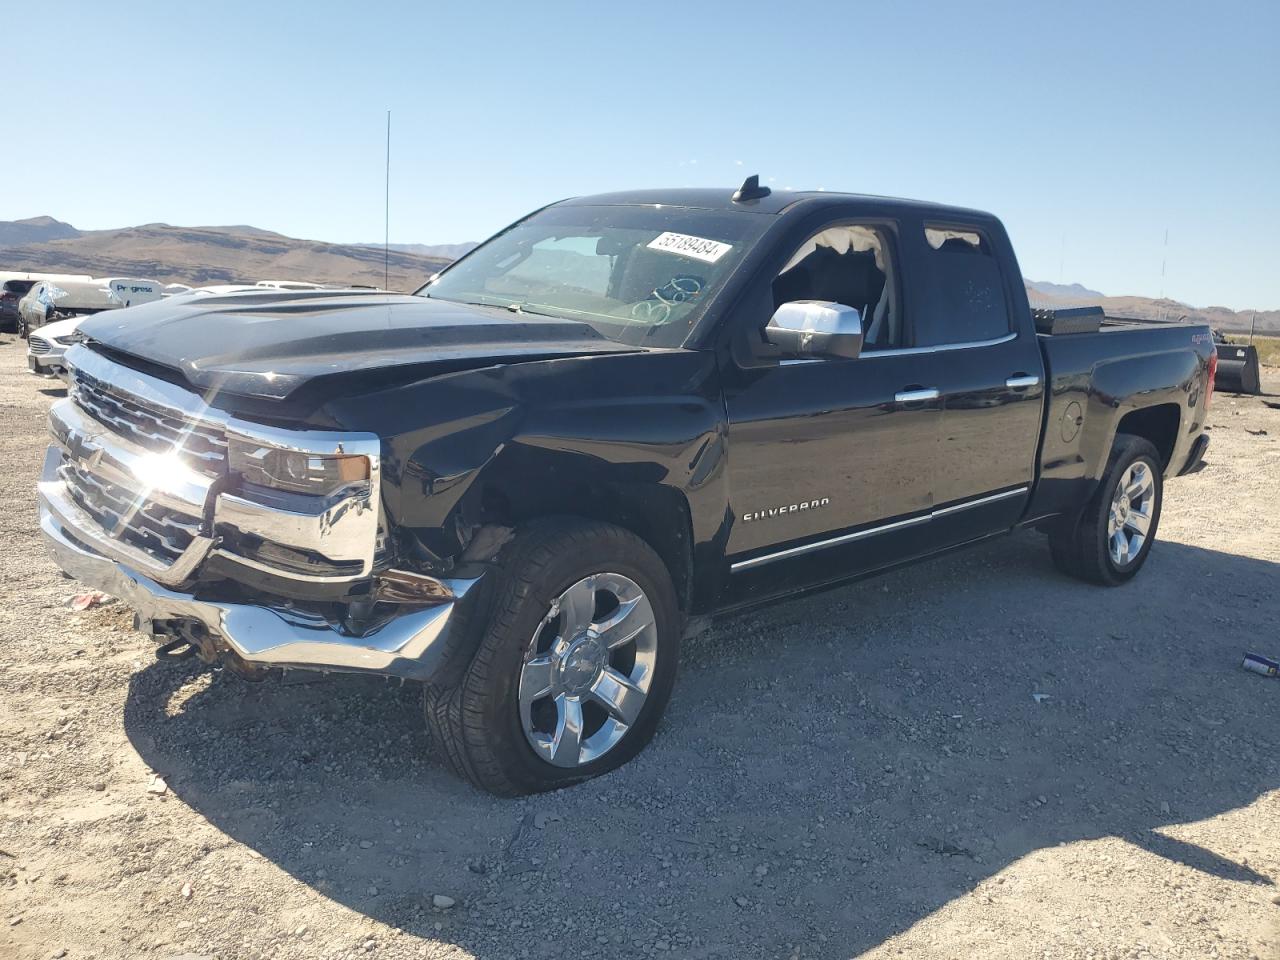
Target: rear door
(990, 377)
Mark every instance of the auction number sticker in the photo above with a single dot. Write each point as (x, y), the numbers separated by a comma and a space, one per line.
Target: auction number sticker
(681, 244)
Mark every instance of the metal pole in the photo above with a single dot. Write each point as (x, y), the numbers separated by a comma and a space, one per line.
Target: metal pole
(386, 216)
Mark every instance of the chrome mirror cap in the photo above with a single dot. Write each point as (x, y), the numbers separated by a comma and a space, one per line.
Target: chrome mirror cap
(816, 328)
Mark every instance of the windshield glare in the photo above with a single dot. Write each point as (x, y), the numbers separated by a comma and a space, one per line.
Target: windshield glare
(636, 274)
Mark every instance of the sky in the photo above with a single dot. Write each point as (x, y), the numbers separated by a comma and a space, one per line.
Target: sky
(1090, 128)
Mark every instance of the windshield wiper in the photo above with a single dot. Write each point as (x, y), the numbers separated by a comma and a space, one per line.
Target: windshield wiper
(532, 308)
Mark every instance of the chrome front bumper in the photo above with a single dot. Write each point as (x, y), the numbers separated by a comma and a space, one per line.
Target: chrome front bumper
(411, 645)
(133, 503)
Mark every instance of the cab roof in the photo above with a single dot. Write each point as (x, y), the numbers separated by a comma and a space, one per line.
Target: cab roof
(777, 201)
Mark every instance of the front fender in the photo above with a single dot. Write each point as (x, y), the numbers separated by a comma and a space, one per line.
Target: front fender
(634, 439)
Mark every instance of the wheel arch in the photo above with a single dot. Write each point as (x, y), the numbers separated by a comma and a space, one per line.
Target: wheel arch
(656, 513)
(1158, 424)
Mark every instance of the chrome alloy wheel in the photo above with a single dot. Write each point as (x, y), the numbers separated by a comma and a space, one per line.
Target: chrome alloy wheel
(1129, 521)
(587, 670)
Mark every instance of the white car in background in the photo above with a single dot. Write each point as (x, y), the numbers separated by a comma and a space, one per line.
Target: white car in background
(48, 345)
(290, 285)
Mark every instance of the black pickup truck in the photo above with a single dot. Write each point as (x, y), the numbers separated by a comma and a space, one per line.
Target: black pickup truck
(624, 414)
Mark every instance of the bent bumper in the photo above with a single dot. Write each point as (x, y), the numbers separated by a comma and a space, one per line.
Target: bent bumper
(411, 645)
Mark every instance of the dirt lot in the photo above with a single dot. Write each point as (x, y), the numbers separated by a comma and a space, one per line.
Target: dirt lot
(866, 772)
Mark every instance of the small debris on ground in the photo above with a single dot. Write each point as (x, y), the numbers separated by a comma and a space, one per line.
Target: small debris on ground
(87, 601)
(157, 786)
(440, 901)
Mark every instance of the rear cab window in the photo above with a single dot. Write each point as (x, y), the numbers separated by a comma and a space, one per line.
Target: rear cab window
(966, 290)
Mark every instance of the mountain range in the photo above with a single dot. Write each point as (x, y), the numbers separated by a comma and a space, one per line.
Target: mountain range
(205, 255)
(241, 253)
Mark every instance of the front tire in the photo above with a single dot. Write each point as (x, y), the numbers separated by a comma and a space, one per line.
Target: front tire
(1112, 538)
(575, 664)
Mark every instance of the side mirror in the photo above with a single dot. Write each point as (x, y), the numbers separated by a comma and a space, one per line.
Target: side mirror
(816, 328)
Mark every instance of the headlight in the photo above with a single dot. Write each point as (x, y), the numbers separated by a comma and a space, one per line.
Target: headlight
(301, 472)
(71, 338)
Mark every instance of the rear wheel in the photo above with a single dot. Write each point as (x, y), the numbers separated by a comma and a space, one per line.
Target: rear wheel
(575, 665)
(1112, 538)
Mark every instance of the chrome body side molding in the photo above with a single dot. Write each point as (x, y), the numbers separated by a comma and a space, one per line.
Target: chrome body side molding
(923, 518)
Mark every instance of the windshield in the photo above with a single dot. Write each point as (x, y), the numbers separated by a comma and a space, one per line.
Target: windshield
(636, 274)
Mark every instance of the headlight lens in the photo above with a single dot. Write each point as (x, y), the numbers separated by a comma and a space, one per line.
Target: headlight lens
(301, 472)
(71, 338)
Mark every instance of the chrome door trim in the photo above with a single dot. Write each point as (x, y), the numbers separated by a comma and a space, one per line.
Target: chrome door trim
(937, 348)
(980, 501)
(1020, 383)
(873, 531)
(823, 544)
(912, 351)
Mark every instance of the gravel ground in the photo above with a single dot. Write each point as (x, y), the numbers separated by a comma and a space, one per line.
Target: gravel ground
(974, 757)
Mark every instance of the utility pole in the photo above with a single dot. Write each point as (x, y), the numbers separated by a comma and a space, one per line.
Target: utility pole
(1164, 261)
(386, 216)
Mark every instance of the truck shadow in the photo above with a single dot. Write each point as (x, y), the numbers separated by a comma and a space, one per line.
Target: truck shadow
(877, 749)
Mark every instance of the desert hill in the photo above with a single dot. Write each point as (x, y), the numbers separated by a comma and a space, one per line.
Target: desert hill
(203, 255)
(1044, 294)
(241, 253)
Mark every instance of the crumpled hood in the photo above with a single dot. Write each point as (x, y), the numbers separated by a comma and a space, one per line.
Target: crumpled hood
(269, 344)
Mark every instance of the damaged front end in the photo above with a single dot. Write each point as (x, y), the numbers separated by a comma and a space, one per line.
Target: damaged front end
(258, 546)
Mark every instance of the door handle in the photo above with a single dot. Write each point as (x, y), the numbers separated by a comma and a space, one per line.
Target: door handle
(916, 396)
(1021, 382)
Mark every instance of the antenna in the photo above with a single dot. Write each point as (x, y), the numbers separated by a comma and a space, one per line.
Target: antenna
(751, 190)
(386, 216)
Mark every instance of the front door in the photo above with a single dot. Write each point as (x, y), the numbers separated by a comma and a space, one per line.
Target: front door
(830, 466)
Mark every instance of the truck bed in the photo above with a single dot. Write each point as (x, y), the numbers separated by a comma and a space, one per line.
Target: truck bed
(1156, 370)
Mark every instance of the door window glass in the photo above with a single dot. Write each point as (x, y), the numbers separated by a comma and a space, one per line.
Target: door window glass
(967, 297)
(849, 264)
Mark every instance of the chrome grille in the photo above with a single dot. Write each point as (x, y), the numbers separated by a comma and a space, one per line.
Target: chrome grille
(128, 516)
(38, 345)
(204, 445)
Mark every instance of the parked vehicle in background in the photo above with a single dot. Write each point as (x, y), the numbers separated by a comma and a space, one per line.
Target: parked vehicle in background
(289, 285)
(175, 289)
(11, 294)
(15, 286)
(619, 417)
(131, 291)
(47, 346)
(50, 300)
(222, 289)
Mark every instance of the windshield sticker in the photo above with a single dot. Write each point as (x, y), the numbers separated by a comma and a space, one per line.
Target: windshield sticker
(683, 245)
